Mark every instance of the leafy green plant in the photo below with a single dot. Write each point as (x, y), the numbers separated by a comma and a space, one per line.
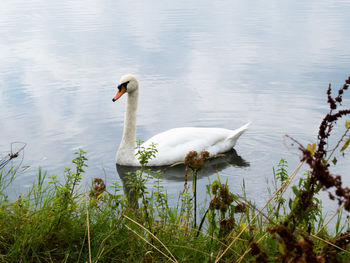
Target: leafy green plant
(144, 155)
(280, 178)
(137, 182)
(161, 198)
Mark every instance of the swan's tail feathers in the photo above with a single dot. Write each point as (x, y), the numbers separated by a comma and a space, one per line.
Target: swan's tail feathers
(237, 133)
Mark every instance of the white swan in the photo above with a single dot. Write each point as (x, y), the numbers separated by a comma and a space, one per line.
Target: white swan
(172, 145)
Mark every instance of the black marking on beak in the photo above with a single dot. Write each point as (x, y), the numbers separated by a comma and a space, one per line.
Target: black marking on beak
(125, 84)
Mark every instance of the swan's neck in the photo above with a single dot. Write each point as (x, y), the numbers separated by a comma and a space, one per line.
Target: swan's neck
(126, 151)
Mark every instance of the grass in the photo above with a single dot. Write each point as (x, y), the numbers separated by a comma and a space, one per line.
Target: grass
(57, 221)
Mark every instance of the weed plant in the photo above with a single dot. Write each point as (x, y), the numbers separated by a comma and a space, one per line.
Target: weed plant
(58, 221)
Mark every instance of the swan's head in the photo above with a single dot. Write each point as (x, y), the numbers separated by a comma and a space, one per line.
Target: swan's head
(128, 83)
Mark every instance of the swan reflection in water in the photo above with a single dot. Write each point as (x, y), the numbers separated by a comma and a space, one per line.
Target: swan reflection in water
(177, 172)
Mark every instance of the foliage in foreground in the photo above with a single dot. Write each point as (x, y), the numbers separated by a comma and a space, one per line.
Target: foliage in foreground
(59, 222)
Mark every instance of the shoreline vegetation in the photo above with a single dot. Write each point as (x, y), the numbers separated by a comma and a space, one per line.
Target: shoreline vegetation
(57, 221)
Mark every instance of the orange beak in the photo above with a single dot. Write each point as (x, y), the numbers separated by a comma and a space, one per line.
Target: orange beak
(121, 91)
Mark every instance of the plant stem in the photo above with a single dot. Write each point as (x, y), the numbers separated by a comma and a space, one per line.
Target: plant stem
(195, 196)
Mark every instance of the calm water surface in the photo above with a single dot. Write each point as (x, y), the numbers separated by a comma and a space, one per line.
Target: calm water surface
(199, 63)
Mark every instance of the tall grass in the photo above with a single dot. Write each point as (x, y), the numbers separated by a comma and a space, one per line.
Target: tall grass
(57, 221)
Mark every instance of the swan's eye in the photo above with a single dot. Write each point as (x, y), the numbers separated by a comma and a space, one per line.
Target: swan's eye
(125, 84)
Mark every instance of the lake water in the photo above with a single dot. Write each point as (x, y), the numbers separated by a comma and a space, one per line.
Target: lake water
(199, 63)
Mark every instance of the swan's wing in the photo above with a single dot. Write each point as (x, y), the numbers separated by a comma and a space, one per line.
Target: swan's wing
(174, 144)
(179, 137)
